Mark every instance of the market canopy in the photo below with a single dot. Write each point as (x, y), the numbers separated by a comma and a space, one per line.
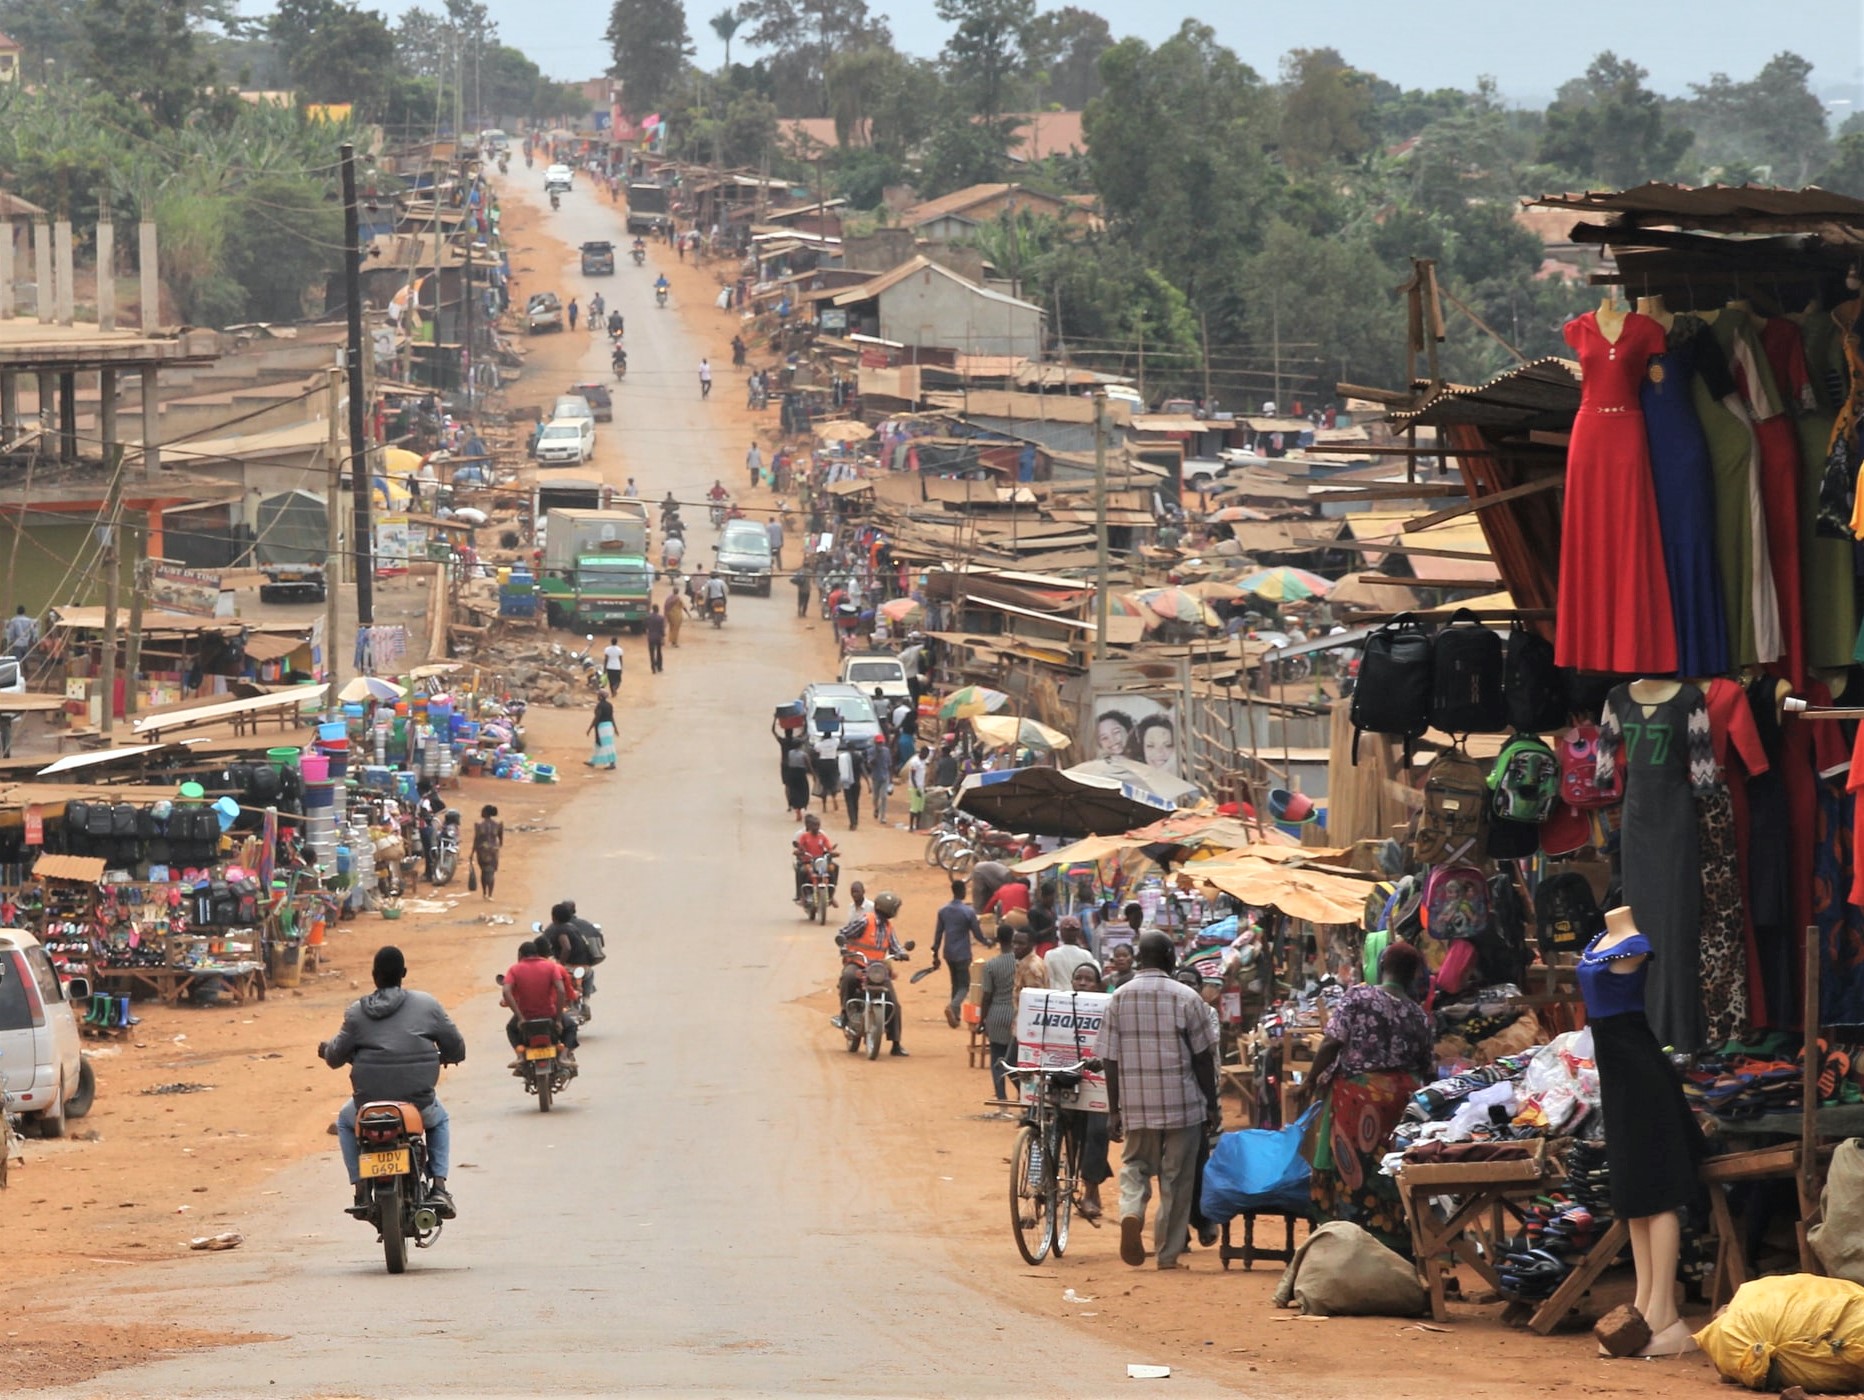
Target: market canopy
(292, 697)
(1285, 584)
(363, 689)
(1085, 851)
(969, 701)
(1003, 731)
(1313, 895)
(1052, 802)
(1169, 788)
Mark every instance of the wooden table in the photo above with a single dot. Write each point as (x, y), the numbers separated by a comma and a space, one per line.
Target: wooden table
(172, 983)
(1488, 1195)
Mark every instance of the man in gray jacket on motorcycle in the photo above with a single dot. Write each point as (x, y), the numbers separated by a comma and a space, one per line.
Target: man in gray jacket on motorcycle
(394, 1042)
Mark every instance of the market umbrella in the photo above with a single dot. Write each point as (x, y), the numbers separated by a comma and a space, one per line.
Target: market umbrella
(1215, 591)
(365, 688)
(1174, 792)
(902, 610)
(1285, 584)
(1052, 802)
(1314, 895)
(971, 701)
(1125, 605)
(1002, 731)
(1176, 605)
(1231, 515)
(843, 430)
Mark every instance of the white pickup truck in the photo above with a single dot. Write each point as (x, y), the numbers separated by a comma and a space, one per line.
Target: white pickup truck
(869, 671)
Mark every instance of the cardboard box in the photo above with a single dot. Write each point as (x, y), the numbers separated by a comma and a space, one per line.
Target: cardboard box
(1061, 1029)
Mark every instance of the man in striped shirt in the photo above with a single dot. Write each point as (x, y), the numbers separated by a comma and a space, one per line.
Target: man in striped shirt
(1161, 1064)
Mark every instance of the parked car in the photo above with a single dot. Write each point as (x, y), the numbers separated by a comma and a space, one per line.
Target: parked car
(42, 1066)
(744, 559)
(570, 406)
(859, 723)
(543, 312)
(572, 440)
(868, 671)
(600, 401)
(558, 179)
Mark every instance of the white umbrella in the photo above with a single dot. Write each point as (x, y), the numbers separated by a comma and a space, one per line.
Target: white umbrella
(370, 688)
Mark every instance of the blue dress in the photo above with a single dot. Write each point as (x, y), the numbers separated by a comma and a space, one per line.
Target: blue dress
(1684, 478)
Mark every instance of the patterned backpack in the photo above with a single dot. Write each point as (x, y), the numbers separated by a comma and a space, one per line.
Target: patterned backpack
(1579, 770)
(1455, 813)
(1525, 781)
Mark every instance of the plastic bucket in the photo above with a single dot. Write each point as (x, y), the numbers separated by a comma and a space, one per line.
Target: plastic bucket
(284, 964)
(319, 795)
(544, 773)
(338, 730)
(282, 759)
(315, 766)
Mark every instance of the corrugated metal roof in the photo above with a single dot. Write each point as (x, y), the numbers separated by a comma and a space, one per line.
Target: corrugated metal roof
(86, 869)
(1541, 394)
(1706, 206)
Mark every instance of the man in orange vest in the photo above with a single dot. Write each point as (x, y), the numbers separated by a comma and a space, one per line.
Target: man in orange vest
(870, 933)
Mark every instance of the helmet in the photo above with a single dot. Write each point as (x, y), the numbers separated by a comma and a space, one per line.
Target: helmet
(886, 904)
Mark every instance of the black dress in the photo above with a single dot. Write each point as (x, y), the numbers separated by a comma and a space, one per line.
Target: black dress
(1770, 865)
(1651, 1138)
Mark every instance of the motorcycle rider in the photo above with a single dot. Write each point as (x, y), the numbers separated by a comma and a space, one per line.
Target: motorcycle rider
(394, 1042)
(716, 590)
(617, 325)
(538, 989)
(618, 359)
(661, 287)
(669, 509)
(809, 843)
(566, 938)
(639, 249)
(870, 931)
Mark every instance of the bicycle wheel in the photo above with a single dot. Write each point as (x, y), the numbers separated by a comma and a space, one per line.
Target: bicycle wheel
(1028, 1217)
(1059, 1184)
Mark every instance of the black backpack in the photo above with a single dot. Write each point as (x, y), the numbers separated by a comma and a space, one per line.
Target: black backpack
(1566, 916)
(1532, 687)
(579, 954)
(1466, 678)
(1392, 695)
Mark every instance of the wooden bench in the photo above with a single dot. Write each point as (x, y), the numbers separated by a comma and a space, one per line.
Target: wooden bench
(85, 736)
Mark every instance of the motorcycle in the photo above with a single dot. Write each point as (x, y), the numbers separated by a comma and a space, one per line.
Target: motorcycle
(660, 296)
(715, 609)
(578, 1010)
(864, 1017)
(393, 1142)
(619, 362)
(718, 515)
(555, 201)
(818, 887)
(447, 848)
(640, 257)
(504, 164)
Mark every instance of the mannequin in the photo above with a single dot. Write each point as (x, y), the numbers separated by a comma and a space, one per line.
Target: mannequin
(1650, 1137)
(1654, 308)
(1611, 319)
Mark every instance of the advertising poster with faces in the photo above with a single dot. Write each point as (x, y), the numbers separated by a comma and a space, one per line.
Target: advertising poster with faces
(1136, 728)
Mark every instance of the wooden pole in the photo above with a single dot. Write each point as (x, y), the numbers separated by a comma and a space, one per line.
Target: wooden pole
(333, 531)
(1101, 601)
(139, 590)
(113, 587)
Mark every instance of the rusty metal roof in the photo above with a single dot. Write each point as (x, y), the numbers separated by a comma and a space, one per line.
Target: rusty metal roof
(1713, 206)
(1541, 394)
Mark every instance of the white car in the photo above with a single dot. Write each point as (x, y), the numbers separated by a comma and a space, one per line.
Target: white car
(559, 178)
(42, 1066)
(569, 440)
(868, 671)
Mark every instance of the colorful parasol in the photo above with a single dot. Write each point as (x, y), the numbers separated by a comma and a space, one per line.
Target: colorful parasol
(1215, 591)
(1003, 731)
(365, 688)
(972, 701)
(1176, 605)
(1284, 584)
(843, 430)
(902, 610)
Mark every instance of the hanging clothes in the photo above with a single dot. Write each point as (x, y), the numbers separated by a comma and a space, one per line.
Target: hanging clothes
(1827, 567)
(1839, 517)
(1771, 965)
(1740, 529)
(1668, 754)
(1740, 756)
(1684, 481)
(1614, 605)
(1724, 941)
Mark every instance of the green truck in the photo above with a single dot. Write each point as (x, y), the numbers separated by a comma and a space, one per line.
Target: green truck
(596, 573)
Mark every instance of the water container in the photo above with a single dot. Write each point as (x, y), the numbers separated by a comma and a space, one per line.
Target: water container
(314, 766)
(319, 797)
(282, 758)
(406, 787)
(544, 773)
(337, 730)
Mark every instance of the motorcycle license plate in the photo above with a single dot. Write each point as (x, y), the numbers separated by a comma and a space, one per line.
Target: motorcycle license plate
(396, 1163)
(545, 1054)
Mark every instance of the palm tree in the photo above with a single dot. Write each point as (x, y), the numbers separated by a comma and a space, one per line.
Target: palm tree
(725, 24)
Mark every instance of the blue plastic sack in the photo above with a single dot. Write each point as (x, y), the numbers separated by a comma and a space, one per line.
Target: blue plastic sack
(1258, 1169)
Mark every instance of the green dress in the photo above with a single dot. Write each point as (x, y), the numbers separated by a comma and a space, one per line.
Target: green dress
(1828, 578)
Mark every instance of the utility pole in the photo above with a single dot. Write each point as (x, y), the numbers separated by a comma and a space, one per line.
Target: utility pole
(1142, 358)
(1275, 335)
(333, 528)
(113, 587)
(1204, 320)
(358, 436)
(1101, 602)
(138, 591)
(466, 357)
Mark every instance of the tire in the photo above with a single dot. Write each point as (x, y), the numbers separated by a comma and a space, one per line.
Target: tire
(1032, 1240)
(388, 1212)
(963, 862)
(1060, 1182)
(933, 842)
(446, 865)
(80, 1102)
(876, 1022)
(53, 1125)
(544, 1089)
(819, 903)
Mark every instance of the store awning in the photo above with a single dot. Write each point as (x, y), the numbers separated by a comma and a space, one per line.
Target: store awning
(1313, 895)
(84, 869)
(290, 698)
(267, 646)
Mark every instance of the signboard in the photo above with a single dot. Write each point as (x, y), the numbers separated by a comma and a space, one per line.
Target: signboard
(391, 544)
(1062, 1029)
(178, 590)
(833, 319)
(35, 826)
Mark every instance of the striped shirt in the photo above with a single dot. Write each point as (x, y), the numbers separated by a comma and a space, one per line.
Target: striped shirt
(1155, 1026)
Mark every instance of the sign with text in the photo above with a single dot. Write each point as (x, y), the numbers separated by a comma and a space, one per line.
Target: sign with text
(35, 825)
(1062, 1029)
(178, 590)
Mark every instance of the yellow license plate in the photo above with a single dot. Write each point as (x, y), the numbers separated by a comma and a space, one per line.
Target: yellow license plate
(396, 1163)
(547, 1053)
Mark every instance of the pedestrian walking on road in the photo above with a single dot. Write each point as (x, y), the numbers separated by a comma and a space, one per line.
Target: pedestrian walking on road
(674, 610)
(915, 775)
(880, 773)
(853, 765)
(754, 463)
(611, 664)
(801, 578)
(488, 838)
(955, 931)
(574, 312)
(773, 531)
(996, 1008)
(705, 379)
(602, 725)
(656, 629)
(1160, 1057)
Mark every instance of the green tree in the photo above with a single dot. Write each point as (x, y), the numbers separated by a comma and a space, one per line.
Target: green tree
(1608, 126)
(803, 35)
(1326, 110)
(650, 45)
(46, 29)
(862, 176)
(143, 50)
(725, 24)
(1334, 292)
(1064, 46)
(1844, 172)
(336, 52)
(1774, 120)
(279, 244)
(965, 150)
(985, 48)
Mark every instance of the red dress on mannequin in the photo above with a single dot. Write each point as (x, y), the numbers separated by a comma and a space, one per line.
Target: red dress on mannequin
(1614, 603)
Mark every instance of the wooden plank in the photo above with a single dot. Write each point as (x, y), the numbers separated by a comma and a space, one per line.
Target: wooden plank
(1378, 547)
(1550, 1313)
(1431, 582)
(1393, 398)
(1513, 493)
(1383, 490)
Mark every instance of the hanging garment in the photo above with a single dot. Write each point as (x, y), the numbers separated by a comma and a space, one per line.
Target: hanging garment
(1669, 761)
(1724, 940)
(1838, 513)
(1614, 603)
(1740, 756)
(1684, 482)
(1827, 568)
(1740, 523)
(1770, 913)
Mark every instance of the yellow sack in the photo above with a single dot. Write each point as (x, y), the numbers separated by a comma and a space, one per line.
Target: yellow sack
(1794, 1329)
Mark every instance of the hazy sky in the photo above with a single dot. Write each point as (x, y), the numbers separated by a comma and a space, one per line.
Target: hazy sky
(1530, 49)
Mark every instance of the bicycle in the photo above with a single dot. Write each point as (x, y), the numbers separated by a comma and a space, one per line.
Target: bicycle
(1044, 1175)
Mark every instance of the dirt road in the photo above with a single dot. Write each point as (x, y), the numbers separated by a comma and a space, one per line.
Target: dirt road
(725, 1203)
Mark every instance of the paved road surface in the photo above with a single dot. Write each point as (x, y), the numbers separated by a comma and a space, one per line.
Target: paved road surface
(697, 1217)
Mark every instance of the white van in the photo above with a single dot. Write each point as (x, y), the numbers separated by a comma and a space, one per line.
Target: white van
(43, 1071)
(566, 440)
